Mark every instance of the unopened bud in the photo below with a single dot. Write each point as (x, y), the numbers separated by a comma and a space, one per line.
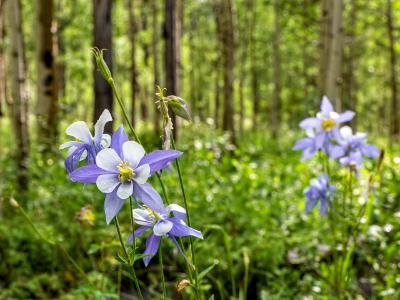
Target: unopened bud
(179, 107)
(182, 285)
(101, 64)
(14, 203)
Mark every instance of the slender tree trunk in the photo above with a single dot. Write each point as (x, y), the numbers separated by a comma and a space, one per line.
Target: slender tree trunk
(245, 32)
(133, 31)
(326, 20)
(47, 79)
(61, 65)
(156, 61)
(172, 32)
(146, 56)
(352, 64)
(218, 51)
(19, 92)
(3, 77)
(333, 80)
(228, 66)
(395, 121)
(192, 77)
(255, 83)
(102, 32)
(276, 97)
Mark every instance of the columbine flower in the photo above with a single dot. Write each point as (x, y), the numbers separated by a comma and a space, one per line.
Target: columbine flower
(325, 125)
(86, 146)
(355, 148)
(307, 145)
(122, 170)
(319, 191)
(167, 221)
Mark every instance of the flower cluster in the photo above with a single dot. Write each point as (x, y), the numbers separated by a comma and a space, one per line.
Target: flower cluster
(324, 134)
(120, 169)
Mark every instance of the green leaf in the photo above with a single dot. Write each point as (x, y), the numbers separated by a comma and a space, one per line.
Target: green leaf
(206, 271)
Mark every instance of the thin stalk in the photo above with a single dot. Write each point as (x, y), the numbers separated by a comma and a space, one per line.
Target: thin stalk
(187, 215)
(162, 270)
(128, 259)
(121, 104)
(162, 187)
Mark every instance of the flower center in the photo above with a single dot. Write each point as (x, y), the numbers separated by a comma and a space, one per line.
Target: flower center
(328, 124)
(126, 172)
(153, 216)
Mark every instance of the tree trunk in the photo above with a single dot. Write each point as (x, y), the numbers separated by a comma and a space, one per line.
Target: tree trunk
(245, 36)
(276, 97)
(3, 77)
(395, 121)
(172, 32)
(133, 31)
(228, 66)
(47, 79)
(102, 32)
(218, 51)
(255, 83)
(19, 93)
(333, 80)
(146, 57)
(350, 83)
(156, 61)
(326, 20)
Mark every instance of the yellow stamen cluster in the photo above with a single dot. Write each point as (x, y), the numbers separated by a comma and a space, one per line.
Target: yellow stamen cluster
(126, 172)
(328, 124)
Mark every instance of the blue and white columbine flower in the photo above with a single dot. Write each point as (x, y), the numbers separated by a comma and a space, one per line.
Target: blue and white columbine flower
(165, 222)
(319, 191)
(122, 171)
(86, 146)
(325, 129)
(355, 147)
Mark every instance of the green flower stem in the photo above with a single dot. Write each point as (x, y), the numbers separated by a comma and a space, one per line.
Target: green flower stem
(54, 244)
(128, 259)
(162, 270)
(121, 104)
(188, 217)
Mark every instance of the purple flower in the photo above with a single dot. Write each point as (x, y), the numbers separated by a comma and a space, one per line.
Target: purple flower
(325, 127)
(355, 148)
(86, 146)
(319, 191)
(168, 222)
(122, 171)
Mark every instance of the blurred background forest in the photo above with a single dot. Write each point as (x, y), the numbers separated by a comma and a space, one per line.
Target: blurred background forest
(250, 71)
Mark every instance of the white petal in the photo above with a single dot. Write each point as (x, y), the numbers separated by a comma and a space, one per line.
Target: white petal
(177, 208)
(142, 216)
(84, 155)
(315, 183)
(162, 227)
(133, 152)
(346, 132)
(142, 174)
(125, 190)
(106, 141)
(67, 145)
(101, 122)
(108, 159)
(106, 183)
(80, 131)
(334, 115)
(71, 150)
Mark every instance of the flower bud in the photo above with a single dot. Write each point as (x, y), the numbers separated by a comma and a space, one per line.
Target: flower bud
(101, 64)
(14, 203)
(179, 107)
